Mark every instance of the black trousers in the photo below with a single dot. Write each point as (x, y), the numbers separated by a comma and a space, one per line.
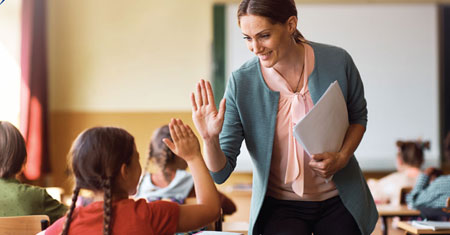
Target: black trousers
(326, 217)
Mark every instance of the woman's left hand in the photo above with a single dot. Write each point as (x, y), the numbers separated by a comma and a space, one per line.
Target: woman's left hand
(326, 164)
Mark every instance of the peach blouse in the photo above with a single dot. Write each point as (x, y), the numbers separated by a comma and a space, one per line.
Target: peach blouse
(290, 177)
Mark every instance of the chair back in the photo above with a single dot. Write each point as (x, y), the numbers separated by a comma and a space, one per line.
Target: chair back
(23, 225)
(403, 192)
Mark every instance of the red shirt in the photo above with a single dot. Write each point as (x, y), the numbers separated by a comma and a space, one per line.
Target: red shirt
(129, 217)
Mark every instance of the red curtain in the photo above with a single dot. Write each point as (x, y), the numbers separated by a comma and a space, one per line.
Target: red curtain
(33, 110)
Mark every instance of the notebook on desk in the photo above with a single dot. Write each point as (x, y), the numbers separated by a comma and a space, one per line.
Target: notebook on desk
(217, 233)
(433, 225)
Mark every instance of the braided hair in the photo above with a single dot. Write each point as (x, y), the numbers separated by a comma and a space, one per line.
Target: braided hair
(97, 156)
(159, 151)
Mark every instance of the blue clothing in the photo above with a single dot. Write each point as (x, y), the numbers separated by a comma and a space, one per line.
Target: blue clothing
(251, 111)
(178, 189)
(429, 195)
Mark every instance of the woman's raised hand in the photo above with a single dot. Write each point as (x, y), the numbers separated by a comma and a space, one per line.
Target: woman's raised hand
(206, 118)
(184, 142)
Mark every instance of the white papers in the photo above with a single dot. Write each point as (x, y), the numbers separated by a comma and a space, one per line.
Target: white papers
(217, 233)
(433, 225)
(323, 129)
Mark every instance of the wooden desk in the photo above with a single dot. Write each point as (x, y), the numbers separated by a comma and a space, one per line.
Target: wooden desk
(386, 211)
(236, 227)
(409, 229)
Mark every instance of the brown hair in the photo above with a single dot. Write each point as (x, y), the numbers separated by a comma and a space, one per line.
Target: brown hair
(159, 151)
(13, 151)
(276, 11)
(411, 152)
(97, 156)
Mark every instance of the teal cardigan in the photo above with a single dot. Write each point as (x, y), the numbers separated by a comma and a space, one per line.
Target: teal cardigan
(251, 112)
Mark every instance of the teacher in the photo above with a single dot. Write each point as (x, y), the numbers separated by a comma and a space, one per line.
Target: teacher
(263, 101)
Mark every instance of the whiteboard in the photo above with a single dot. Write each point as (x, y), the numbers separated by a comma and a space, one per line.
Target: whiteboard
(395, 47)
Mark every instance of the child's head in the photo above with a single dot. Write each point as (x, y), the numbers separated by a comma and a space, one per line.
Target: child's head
(13, 152)
(411, 152)
(104, 159)
(164, 158)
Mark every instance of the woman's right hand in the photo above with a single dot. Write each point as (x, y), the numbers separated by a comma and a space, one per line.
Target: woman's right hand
(207, 119)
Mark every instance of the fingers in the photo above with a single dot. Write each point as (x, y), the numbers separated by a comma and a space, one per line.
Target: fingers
(203, 92)
(222, 108)
(199, 94)
(169, 144)
(194, 104)
(209, 94)
(318, 157)
(204, 95)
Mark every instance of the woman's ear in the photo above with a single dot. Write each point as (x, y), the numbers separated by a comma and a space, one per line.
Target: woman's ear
(292, 24)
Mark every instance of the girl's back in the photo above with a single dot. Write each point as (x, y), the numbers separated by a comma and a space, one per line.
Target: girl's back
(130, 217)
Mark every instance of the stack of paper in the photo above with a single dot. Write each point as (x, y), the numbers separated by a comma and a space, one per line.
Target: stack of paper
(433, 225)
(323, 129)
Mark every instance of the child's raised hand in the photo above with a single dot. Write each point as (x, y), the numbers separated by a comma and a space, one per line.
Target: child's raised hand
(185, 144)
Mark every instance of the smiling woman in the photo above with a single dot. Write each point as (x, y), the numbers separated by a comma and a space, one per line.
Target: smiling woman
(9, 61)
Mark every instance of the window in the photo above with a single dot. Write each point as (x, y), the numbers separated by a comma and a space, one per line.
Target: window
(10, 12)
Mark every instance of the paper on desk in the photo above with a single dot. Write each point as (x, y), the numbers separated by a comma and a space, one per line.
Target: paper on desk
(323, 129)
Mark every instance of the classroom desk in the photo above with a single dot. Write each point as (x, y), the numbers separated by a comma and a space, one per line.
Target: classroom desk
(409, 229)
(386, 211)
(236, 227)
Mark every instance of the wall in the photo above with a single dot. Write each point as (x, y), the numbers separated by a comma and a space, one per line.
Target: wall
(131, 64)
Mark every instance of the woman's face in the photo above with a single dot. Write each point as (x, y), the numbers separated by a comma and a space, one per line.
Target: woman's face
(270, 42)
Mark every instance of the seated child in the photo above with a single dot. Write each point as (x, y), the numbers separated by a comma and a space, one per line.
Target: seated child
(105, 160)
(17, 199)
(171, 180)
(432, 189)
(409, 160)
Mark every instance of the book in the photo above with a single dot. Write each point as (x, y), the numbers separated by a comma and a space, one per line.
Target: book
(433, 225)
(217, 233)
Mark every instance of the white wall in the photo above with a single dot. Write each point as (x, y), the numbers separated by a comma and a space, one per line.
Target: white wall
(395, 48)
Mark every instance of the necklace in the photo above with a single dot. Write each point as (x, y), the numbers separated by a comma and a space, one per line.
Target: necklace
(301, 76)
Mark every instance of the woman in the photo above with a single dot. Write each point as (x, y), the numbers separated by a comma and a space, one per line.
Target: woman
(264, 100)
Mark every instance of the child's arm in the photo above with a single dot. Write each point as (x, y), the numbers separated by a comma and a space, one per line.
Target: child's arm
(185, 144)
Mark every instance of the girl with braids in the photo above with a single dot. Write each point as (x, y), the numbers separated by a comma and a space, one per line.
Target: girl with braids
(409, 161)
(105, 160)
(17, 199)
(171, 180)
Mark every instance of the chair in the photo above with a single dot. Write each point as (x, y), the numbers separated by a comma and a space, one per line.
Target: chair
(23, 225)
(403, 192)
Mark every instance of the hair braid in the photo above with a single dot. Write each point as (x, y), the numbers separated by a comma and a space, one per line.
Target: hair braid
(65, 230)
(107, 206)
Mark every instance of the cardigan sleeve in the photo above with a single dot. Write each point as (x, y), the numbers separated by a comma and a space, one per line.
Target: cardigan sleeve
(232, 133)
(356, 103)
